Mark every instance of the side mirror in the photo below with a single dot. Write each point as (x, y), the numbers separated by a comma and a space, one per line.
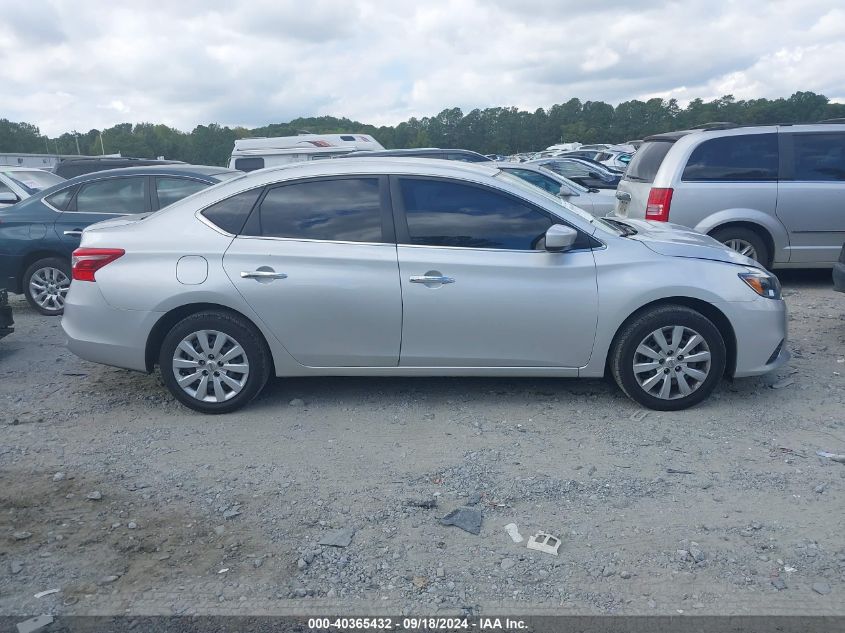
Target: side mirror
(560, 238)
(7, 197)
(566, 192)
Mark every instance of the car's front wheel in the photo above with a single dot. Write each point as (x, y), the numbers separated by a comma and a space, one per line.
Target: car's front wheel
(214, 362)
(45, 285)
(668, 358)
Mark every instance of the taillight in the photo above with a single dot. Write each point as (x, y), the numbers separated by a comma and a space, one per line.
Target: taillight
(86, 261)
(659, 201)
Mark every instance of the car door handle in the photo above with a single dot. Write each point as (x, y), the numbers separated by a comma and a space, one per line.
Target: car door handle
(431, 279)
(624, 196)
(74, 233)
(262, 274)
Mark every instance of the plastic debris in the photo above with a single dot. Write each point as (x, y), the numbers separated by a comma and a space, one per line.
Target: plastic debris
(338, 538)
(422, 503)
(675, 471)
(223, 571)
(832, 456)
(640, 415)
(47, 592)
(468, 519)
(543, 542)
(513, 532)
(34, 624)
(780, 384)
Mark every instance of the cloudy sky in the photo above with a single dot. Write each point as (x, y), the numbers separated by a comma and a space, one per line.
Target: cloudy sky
(82, 64)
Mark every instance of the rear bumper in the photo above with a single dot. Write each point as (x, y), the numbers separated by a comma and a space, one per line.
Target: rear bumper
(102, 334)
(7, 322)
(839, 276)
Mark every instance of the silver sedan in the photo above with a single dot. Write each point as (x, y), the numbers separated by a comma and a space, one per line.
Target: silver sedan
(414, 267)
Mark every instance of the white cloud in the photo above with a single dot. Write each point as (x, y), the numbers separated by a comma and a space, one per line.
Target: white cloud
(80, 64)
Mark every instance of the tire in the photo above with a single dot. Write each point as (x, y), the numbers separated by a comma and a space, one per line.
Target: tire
(646, 385)
(45, 285)
(741, 239)
(197, 344)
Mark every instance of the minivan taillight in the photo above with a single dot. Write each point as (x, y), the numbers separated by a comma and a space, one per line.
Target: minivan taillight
(86, 261)
(659, 201)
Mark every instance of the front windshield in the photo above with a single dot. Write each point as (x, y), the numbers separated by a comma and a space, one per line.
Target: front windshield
(33, 180)
(539, 191)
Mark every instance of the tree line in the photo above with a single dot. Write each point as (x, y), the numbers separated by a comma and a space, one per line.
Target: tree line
(501, 130)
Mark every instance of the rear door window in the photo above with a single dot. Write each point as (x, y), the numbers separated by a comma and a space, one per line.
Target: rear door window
(60, 199)
(645, 163)
(738, 158)
(346, 210)
(819, 157)
(113, 195)
(170, 190)
(230, 214)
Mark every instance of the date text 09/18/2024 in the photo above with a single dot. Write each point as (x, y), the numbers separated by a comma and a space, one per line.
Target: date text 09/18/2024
(416, 624)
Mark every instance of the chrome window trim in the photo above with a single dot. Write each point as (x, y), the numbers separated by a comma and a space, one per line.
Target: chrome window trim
(199, 216)
(309, 240)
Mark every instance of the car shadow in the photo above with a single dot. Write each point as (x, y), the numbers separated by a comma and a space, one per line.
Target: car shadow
(398, 391)
(800, 278)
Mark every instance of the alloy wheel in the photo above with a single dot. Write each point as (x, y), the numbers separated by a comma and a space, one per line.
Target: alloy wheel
(742, 247)
(210, 366)
(48, 287)
(672, 362)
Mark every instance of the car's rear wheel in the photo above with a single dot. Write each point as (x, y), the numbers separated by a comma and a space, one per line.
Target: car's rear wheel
(745, 242)
(214, 362)
(668, 358)
(45, 285)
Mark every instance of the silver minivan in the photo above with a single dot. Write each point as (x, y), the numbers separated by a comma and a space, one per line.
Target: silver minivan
(774, 193)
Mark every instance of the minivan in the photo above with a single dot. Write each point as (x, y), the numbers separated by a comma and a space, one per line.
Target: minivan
(774, 193)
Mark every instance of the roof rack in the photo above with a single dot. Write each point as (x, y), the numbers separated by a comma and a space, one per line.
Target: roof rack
(715, 125)
(838, 120)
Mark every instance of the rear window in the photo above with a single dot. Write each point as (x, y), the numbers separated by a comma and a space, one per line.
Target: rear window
(742, 158)
(819, 157)
(249, 164)
(645, 163)
(35, 180)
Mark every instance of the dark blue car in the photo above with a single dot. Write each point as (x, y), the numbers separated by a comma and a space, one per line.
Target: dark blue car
(38, 235)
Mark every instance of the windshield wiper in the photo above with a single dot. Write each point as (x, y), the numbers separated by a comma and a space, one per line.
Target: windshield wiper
(634, 178)
(626, 229)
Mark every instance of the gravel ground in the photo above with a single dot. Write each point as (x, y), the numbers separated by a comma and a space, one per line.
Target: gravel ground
(126, 502)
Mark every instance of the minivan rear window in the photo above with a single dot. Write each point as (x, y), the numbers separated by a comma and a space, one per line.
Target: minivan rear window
(743, 158)
(647, 160)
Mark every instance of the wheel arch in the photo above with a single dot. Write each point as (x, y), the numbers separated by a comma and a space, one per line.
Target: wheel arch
(710, 311)
(30, 258)
(171, 318)
(764, 233)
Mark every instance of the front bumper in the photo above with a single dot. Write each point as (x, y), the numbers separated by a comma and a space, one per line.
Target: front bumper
(7, 322)
(760, 327)
(839, 276)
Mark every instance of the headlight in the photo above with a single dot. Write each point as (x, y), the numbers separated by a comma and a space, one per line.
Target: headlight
(763, 284)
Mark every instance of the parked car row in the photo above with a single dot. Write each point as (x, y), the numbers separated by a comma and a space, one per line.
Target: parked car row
(38, 235)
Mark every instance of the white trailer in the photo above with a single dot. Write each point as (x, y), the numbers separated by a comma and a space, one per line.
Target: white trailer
(250, 154)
